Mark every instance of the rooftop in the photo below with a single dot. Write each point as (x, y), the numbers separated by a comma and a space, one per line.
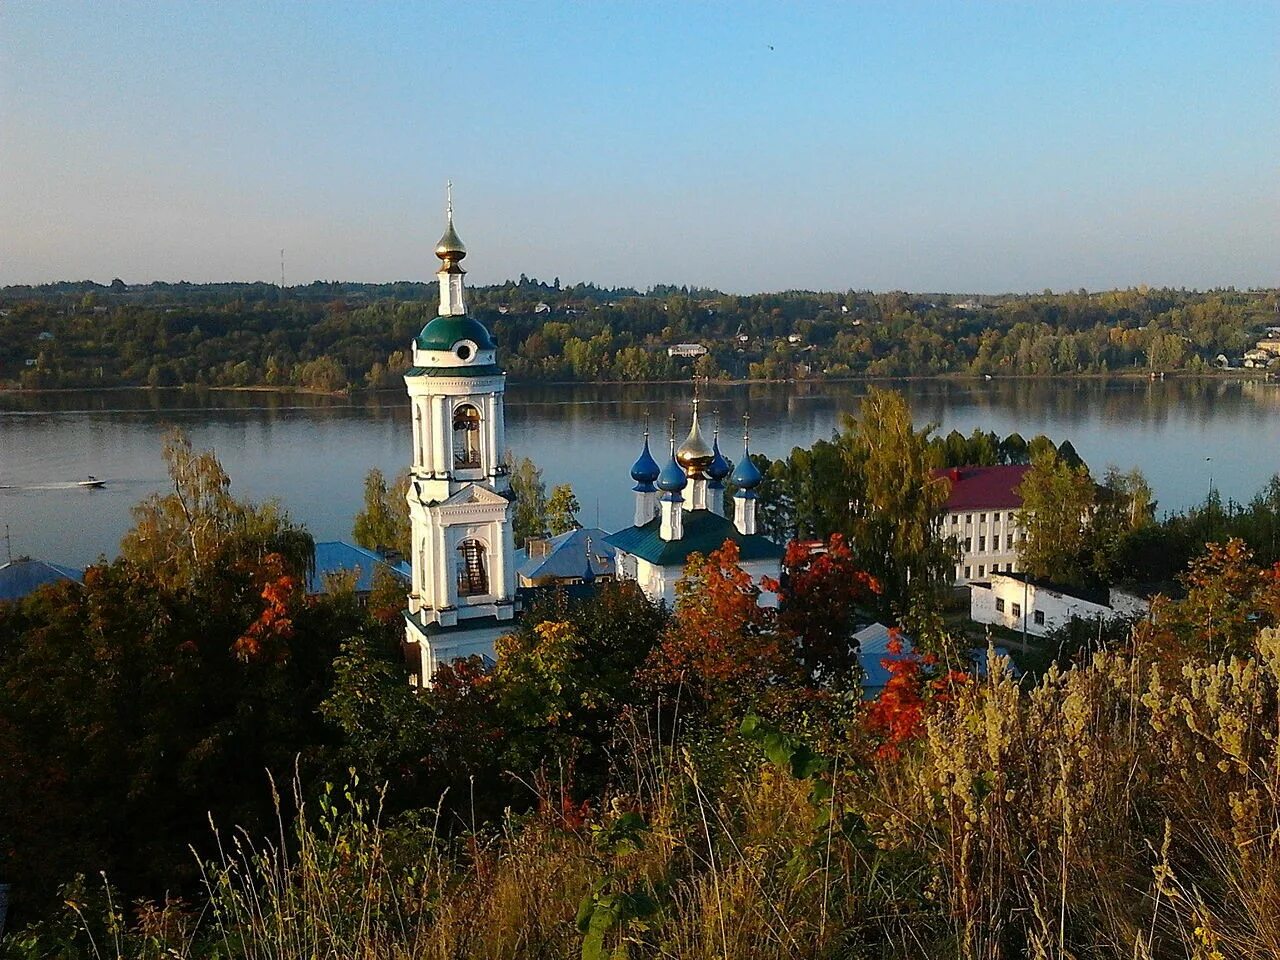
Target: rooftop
(564, 557)
(984, 488)
(704, 531)
(1096, 595)
(21, 577)
(336, 556)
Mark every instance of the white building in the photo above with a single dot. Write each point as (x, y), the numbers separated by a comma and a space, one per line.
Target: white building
(982, 518)
(686, 350)
(463, 591)
(1021, 603)
(685, 513)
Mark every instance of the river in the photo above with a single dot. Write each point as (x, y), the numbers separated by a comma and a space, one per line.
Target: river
(313, 452)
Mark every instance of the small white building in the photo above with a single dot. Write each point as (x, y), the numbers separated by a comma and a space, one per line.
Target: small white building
(686, 350)
(1020, 603)
(1258, 359)
(1270, 345)
(982, 518)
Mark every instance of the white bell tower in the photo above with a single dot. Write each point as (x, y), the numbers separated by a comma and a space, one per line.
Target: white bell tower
(459, 500)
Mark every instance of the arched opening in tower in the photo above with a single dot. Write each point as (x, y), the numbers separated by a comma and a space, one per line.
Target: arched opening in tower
(473, 579)
(466, 437)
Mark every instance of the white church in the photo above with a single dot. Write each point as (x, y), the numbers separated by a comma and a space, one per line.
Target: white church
(680, 510)
(463, 593)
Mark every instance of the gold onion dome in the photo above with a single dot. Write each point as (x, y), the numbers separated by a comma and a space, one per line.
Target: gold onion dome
(695, 454)
(450, 246)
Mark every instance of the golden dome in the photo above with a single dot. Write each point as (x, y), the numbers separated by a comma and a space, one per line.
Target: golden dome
(695, 454)
(450, 246)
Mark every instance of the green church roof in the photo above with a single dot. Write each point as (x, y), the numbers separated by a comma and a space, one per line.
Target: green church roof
(484, 370)
(704, 531)
(443, 332)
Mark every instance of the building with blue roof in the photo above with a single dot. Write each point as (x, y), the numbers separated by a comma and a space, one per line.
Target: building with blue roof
(335, 557)
(872, 644)
(579, 556)
(18, 578)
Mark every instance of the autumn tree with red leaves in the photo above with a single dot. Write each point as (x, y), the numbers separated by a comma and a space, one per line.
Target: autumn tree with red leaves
(819, 595)
(915, 688)
(722, 648)
(267, 637)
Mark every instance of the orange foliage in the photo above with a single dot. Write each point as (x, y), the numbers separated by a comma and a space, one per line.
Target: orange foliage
(266, 636)
(720, 643)
(897, 716)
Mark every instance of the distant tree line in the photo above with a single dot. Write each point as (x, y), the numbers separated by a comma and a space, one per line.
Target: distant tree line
(337, 336)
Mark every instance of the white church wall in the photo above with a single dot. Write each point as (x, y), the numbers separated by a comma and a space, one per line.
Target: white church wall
(659, 583)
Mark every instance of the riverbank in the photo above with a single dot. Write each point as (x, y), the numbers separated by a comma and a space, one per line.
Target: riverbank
(948, 377)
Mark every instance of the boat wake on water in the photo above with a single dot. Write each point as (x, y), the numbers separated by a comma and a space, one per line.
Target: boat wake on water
(90, 483)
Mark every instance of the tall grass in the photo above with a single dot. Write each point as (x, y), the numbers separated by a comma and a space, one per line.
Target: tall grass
(1109, 811)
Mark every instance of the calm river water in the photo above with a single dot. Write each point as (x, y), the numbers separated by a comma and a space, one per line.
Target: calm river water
(312, 452)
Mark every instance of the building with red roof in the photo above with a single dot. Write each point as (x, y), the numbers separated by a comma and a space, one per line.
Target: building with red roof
(982, 516)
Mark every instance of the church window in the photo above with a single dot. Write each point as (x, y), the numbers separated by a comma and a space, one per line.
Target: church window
(418, 435)
(466, 436)
(473, 579)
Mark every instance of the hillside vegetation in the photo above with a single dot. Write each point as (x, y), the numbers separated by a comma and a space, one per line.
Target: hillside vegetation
(332, 336)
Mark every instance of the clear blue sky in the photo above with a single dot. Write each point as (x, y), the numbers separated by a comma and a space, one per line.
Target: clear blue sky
(973, 147)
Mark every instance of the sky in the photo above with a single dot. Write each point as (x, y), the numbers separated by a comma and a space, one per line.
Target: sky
(960, 147)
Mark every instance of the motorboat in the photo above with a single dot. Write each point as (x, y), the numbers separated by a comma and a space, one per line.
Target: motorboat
(91, 481)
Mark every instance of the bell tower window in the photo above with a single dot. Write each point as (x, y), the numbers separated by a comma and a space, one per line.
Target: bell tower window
(473, 579)
(466, 437)
(419, 438)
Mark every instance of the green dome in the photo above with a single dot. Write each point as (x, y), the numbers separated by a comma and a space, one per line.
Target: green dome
(443, 332)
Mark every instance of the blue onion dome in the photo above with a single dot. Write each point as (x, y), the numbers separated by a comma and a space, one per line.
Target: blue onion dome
(672, 479)
(645, 469)
(747, 475)
(719, 467)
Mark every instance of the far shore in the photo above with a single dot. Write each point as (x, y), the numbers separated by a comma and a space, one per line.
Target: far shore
(1209, 374)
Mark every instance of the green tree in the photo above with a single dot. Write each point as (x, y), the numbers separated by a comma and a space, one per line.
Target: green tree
(1013, 449)
(383, 522)
(182, 535)
(139, 704)
(896, 529)
(562, 510)
(569, 671)
(530, 498)
(1057, 518)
